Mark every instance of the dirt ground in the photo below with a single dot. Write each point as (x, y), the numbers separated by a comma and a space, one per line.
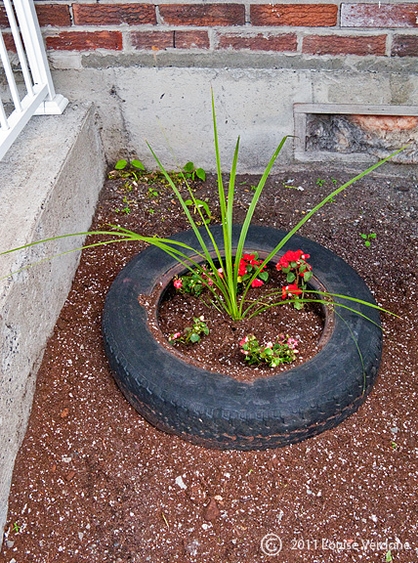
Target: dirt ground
(94, 482)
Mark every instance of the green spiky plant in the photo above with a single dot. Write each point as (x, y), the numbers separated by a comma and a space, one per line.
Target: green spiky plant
(221, 264)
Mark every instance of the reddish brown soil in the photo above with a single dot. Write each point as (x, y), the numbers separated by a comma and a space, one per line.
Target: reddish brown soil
(94, 482)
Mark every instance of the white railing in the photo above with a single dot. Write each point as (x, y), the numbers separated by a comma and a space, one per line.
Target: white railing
(37, 94)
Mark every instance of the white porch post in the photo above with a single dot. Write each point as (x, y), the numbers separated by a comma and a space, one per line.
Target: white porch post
(40, 97)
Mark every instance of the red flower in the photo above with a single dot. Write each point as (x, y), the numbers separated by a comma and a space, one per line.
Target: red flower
(178, 283)
(291, 256)
(257, 283)
(248, 257)
(242, 268)
(174, 336)
(290, 290)
(251, 259)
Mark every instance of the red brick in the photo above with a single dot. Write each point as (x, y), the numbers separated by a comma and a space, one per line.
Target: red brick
(405, 46)
(203, 14)
(4, 22)
(193, 39)
(304, 15)
(48, 14)
(379, 15)
(9, 42)
(57, 15)
(260, 42)
(154, 40)
(114, 14)
(85, 41)
(343, 45)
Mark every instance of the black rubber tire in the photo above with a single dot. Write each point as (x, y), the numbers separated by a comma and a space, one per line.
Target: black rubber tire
(216, 410)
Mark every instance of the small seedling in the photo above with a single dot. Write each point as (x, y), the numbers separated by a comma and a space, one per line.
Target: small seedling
(128, 169)
(152, 193)
(202, 208)
(16, 527)
(191, 172)
(126, 165)
(191, 334)
(388, 557)
(368, 238)
(196, 331)
(273, 354)
(191, 283)
(321, 182)
(126, 210)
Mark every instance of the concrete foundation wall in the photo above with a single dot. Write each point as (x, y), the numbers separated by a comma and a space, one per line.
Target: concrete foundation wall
(169, 105)
(50, 181)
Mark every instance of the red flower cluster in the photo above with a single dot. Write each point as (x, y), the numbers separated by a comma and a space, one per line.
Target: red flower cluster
(289, 291)
(296, 256)
(247, 260)
(246, 265)
(298, 272)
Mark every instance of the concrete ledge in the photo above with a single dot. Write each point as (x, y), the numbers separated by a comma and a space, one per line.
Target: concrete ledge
(50, 181)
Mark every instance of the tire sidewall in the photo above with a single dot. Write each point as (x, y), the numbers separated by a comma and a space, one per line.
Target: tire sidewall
(217, 410)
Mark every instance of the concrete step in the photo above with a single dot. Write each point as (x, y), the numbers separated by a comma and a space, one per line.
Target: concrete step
(49, 184)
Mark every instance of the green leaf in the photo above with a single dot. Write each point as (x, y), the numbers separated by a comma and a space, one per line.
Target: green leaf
(203, 204)
(201, 174)
(264, 276)
(194, 338)
(121, 164)
(388, 557)
(137, 164)
(307, 276)
(188, 167)
(290, 277)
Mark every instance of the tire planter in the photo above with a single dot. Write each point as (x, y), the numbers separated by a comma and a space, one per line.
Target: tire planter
(217, 411)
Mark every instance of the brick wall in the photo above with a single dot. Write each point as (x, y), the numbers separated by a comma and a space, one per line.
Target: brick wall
(333, 28)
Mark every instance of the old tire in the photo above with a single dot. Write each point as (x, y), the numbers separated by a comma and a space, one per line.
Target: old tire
(217, 411)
